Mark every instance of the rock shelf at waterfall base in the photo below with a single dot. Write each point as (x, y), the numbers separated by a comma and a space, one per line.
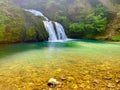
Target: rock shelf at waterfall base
(55, 30)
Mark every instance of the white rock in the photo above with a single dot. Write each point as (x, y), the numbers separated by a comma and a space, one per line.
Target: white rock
(53, 83)
(52, 80)
(96, 81)
(110, 85)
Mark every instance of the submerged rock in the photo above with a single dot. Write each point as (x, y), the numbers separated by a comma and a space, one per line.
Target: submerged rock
(107, 77)
(63, 78)
(96, 81)
(111, 85)
(74, 86)
(52, 83)
(117, 81)
(70, 79)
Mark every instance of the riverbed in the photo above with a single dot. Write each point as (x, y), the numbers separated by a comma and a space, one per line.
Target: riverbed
(84, 65)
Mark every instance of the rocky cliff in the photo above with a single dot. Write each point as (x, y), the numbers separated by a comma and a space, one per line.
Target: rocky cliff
(17, 25)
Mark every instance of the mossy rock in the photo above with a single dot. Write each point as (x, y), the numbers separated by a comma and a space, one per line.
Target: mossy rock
(17, 25)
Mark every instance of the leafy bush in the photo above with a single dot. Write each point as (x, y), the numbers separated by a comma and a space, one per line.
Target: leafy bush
(94, 24)
(116, 38)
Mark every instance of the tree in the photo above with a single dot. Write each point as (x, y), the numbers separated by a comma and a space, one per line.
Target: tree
(94, 24)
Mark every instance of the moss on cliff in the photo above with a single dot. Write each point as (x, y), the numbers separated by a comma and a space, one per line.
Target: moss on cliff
(16, 25)
(113, 30)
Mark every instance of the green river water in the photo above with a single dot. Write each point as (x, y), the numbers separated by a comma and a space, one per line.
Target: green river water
(86, 65)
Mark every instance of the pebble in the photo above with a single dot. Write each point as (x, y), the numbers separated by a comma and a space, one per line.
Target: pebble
(88, 87)
(52, 83)
(82, 85)
(110, 85)
(107, 77)
(87, 77)
(74, 86)
(62, 78)
(117, 81)
(96, 81)
(70, 79)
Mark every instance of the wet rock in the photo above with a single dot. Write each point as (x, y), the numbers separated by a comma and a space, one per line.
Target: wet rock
(85, 72)
(54, 83)
(96, 81)
(74, 86)
(62, 78)
(117, 81)
(70, 79)
(83, 85)
(87, 77)
(43, 89)
(107, 77)
(111, 85)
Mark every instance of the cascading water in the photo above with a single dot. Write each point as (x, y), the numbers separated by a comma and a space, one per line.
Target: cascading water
(60, 31)
(36, 13)
(55, 30)
(50, 29)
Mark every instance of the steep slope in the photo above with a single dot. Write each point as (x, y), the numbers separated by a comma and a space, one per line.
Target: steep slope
(16, 25)
(113, 30)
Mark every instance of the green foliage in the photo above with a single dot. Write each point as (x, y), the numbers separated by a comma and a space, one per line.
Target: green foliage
(16, 25)
(3, 18)
(31, 34)
(77, 27)
(103, 12)
(116, 38)
(100, 10)
(2, 31)
(76, 30)
(94, 24)
(97, 22)
(62, 19)
(80, 18)
(82, 30)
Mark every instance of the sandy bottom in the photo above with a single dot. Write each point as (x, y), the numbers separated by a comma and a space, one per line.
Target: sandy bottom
(78, 65)
(80, 73)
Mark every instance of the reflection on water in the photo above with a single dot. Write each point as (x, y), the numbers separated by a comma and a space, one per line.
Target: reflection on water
(86, 65)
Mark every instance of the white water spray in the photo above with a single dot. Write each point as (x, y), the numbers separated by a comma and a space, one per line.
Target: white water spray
(50, 29)
(36, 13)
(60, 31)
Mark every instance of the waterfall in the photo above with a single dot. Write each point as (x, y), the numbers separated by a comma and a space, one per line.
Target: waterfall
(50, 29)
(55, 30)
(60, 31)
(36, 13)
